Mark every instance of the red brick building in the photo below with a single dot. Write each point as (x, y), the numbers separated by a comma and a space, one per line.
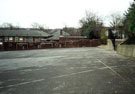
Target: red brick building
(21, 39)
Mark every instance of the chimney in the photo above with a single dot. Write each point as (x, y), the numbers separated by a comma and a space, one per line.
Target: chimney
(61, 32)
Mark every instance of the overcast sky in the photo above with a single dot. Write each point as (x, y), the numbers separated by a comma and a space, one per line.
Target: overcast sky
(56, 13)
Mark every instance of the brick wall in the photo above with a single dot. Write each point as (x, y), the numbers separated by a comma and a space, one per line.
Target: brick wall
(62, 43)
(80, 43)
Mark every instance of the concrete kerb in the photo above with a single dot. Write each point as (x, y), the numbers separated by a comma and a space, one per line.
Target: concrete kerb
(134, 51)
(129, 51)
(110, 45)
(123, 49)
(126, 50)
(118, 49)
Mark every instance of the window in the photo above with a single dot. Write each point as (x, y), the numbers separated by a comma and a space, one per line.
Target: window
(26, 39)
(20, 39)
(30, 39)
(6, 39)
(37, 39)
(16, 39)
(10, 39)
(1, 39)
(1, 43)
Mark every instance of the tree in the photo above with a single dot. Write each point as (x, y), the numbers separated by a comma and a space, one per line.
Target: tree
(124, 27)
(130, 15)
(104, 35)
(119, 23)
(91, 22)
(130, 20)
(72, 31)
(116, 20)
(38, 26)
(9, 26)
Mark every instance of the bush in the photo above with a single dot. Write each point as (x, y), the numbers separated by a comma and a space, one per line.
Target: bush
(103, 35)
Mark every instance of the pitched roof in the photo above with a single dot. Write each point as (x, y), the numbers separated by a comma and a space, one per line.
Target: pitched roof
(27, 33)
(56, 35)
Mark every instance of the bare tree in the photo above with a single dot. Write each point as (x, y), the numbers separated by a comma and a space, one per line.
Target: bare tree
(116, 20)
(35, 25)
(9, 26)
(120, 24)
(72, 31)
(38, 26)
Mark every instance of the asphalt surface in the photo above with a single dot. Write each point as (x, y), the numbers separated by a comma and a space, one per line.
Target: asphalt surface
(66, 71)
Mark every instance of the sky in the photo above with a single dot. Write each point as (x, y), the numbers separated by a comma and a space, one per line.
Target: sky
(57, 13)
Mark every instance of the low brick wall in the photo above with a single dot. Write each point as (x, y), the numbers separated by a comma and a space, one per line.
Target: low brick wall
(81, 43)
(56, 44)
(126, 50)
(46, 45)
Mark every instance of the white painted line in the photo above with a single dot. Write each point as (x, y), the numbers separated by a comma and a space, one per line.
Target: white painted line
(39, 80)
(116, 73)
(111, 69)
(73, 74)
(79, 72)
(24, 83)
